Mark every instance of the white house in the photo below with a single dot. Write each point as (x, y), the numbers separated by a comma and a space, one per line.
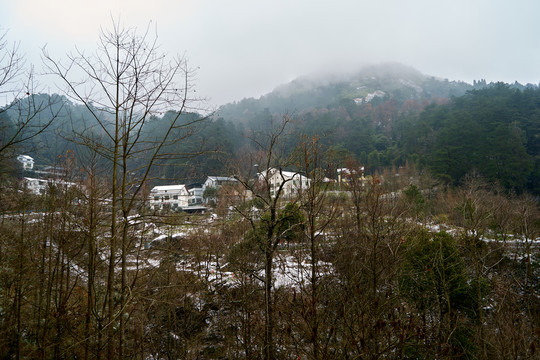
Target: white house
(42, 186)
(195, 192)
(345, 175)
(35, 186)
(218, 181)
(169, 196)
(293, 182)
(26, 161)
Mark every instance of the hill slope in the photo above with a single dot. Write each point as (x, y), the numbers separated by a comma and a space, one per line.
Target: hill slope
(388, 81)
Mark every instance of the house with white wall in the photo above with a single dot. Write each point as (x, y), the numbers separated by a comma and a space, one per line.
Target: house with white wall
(293, 182)
(174, 197)
(35, 186)
(345, 174)
(195, 194)
(26, 161)
(219, 181)
(42, 186)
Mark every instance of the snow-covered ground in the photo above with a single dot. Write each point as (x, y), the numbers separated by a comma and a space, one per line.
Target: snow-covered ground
(288, 270)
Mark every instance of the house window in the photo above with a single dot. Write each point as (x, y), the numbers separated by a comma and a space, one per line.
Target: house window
(156, 198)
(175, 205)
(175, 197)
(166, 197)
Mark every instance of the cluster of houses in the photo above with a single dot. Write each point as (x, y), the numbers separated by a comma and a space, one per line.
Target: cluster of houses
(42, 186)
(48, 176)
(192, 197)
(185, 197)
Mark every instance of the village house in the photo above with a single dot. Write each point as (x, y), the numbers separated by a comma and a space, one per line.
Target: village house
(173, 197)
(346, 175)
(213, 184)
(218, 181)
(293, 182)
(42, 186)
(195, 192)
(26, 161)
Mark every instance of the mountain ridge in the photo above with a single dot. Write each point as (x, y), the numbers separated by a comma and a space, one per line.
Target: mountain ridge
(397, 81)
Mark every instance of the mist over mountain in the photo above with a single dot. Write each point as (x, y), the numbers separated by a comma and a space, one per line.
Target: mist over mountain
(387, 81)
(390, 115)
(381, 116)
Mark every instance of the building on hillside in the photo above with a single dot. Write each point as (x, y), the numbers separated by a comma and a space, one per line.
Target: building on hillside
(35, 186)
(42, 186)
(52, 172)
(346, 175)
(218, 181)
(26, 161)
(213, 184)
(293, 182)
(173, 197)
(195, 194)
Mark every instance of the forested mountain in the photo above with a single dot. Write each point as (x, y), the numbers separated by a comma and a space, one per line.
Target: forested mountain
(389, 115)
(494, 131)
(381, 83)
(69, 121)
(74, 128)
(382, 116)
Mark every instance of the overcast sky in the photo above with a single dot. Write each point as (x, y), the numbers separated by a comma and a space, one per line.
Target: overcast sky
(245, 48)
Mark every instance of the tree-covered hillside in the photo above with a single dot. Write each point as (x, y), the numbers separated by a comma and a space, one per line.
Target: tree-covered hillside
(389, 115)
(381, 117)
(388, 81)
(494, 131)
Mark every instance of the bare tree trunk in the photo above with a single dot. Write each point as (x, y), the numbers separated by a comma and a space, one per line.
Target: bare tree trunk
(269, 347)
(112, 255)
(270, 195)
(126, 84)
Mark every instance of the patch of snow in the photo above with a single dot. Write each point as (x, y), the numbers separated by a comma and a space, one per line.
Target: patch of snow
(373, 95)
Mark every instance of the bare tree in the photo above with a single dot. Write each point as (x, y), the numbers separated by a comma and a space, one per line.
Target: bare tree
(123, 85)
(527, 214)
(12, 65)
(368, 247)
(269, 224)
(25, 115)
(314, 322)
